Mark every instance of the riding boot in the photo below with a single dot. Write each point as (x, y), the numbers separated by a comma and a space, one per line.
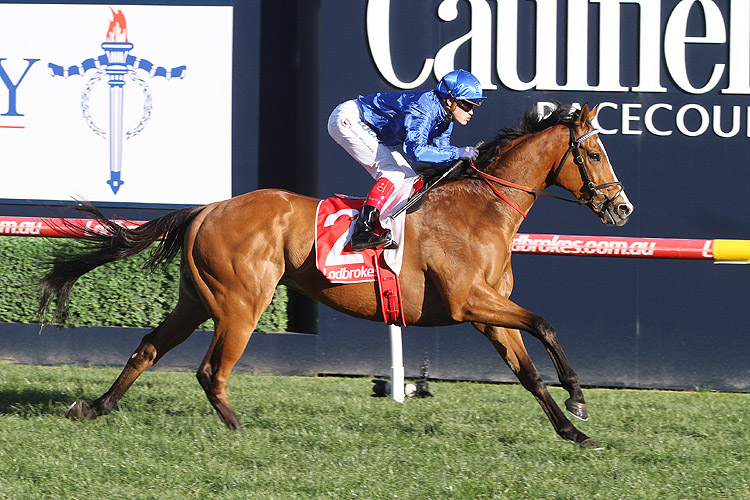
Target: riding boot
(363, 237)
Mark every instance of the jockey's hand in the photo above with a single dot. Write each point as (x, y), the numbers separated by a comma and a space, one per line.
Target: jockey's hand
(468, 153)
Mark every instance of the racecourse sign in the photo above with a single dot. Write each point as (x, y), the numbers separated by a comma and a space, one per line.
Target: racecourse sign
(666, 38)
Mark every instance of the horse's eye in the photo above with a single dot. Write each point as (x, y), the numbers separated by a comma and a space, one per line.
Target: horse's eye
(595, 156)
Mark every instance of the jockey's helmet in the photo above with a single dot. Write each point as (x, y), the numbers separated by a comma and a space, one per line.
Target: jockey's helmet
(460, 85)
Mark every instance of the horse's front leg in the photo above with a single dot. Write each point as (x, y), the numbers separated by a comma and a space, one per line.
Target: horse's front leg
(575, 404)
(485, 305)
(478, 302)
(510, 346)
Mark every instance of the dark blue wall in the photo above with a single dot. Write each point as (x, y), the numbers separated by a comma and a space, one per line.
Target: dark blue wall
(622, 322)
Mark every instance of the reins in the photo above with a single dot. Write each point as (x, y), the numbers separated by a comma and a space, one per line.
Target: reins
(487, 178)
(591, 189)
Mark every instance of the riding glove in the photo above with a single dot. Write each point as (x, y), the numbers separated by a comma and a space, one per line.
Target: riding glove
(468, 153)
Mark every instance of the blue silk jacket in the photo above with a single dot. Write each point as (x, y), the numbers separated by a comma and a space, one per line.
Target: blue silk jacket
(415, 122)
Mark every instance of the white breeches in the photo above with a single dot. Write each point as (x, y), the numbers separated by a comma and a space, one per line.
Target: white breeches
(349, 130)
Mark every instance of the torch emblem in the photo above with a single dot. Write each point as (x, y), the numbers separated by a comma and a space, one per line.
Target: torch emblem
(116, 64)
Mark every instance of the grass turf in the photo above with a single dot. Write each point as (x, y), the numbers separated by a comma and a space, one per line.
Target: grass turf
(327, 438)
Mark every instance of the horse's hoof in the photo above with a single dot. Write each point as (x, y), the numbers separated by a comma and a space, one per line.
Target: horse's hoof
(590, 444)
(79, 410)
(578, 410)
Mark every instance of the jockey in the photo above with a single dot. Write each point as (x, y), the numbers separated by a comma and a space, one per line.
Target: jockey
(385, 131)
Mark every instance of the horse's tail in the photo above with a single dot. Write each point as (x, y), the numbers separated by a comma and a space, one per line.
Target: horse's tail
(114, 243)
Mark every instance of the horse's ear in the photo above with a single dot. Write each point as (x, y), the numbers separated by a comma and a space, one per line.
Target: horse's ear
(584, 116)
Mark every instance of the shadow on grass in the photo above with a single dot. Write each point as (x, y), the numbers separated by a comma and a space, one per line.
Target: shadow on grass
(33, 402)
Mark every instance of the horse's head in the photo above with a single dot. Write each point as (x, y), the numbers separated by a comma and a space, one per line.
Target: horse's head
(586, 172)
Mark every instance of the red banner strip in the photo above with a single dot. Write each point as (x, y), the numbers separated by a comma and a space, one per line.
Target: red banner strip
(607, 246)
(51, 228)
(541, 244)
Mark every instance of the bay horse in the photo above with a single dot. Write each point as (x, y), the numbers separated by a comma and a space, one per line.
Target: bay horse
(235, 253)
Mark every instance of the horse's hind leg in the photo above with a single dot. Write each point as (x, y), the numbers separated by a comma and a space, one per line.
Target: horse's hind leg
(510, 345)
(187, 315)
(230, 340)
(233, 328)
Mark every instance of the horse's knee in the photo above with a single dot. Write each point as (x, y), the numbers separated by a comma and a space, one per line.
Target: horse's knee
(543, 329)
(531, 380)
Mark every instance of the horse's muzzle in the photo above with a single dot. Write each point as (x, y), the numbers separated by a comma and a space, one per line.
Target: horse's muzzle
(617, 212)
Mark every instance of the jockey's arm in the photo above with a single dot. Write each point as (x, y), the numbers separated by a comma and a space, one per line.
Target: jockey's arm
(419, 147)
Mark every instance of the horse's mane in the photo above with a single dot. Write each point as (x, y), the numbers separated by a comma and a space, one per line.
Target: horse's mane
(531, 122)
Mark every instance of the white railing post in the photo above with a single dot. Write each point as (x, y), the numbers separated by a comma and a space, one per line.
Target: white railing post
(397, 364)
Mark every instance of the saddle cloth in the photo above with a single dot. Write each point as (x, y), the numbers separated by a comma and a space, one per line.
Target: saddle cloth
(334, 225)
(335, 258)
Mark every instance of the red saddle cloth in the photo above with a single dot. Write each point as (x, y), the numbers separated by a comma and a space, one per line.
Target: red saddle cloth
(339, 263)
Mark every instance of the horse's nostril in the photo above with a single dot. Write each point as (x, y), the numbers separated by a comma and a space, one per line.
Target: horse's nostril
(624, 210)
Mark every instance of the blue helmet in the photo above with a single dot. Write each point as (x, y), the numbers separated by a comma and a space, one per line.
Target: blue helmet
(460, 85)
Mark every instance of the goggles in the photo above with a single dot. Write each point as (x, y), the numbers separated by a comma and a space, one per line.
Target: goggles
(467, 104)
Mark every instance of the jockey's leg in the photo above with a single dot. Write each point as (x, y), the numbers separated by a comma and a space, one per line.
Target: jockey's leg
(388, 168)
(346, 127)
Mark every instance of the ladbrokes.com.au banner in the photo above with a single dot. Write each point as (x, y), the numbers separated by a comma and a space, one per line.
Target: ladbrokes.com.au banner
(116, 103)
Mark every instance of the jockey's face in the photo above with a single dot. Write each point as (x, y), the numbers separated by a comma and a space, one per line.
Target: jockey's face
(462, 110)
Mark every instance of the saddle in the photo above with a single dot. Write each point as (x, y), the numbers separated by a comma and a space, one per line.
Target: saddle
(416, 199)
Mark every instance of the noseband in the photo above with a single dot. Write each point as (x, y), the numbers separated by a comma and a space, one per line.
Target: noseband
(590, 190)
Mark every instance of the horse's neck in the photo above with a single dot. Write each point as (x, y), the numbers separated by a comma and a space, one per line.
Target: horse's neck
(528, 162)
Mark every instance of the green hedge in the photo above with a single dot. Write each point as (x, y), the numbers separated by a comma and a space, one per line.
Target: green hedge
(117, 294)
